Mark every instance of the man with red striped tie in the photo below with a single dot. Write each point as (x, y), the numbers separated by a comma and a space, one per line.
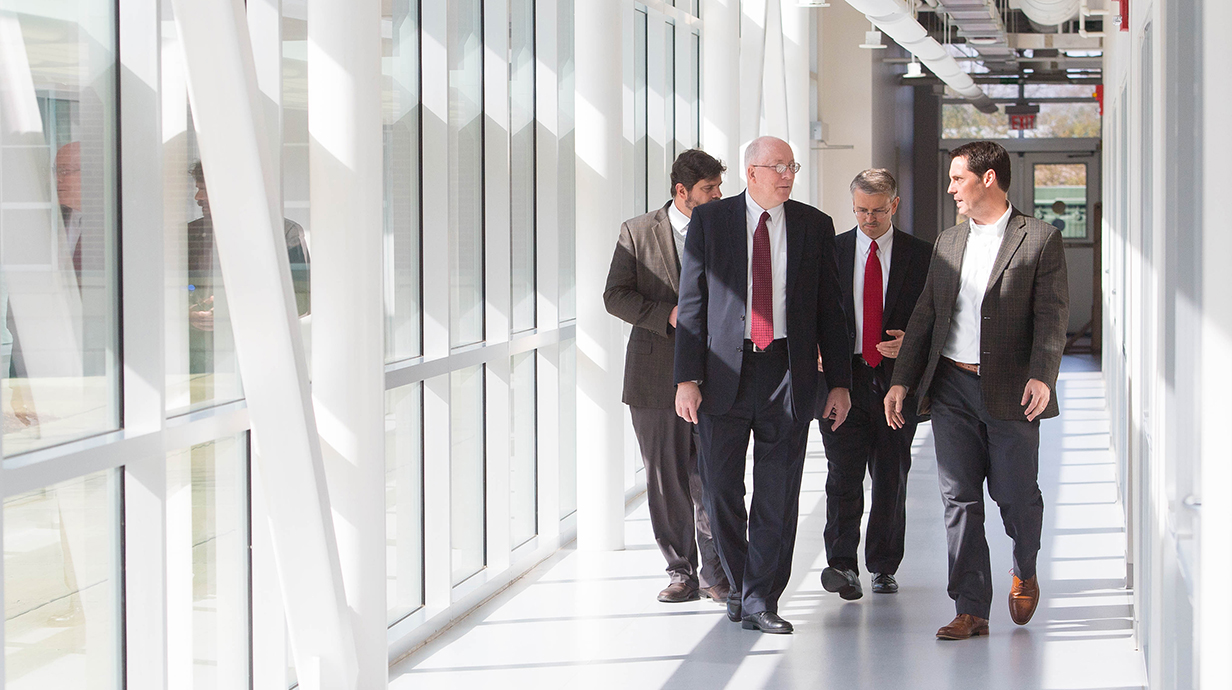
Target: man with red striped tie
(882, 272)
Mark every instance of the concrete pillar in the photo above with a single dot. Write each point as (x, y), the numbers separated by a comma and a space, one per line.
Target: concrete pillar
(600, 347)
(348, 353)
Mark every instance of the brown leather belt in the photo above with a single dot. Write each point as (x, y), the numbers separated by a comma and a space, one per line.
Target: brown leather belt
(969, 368)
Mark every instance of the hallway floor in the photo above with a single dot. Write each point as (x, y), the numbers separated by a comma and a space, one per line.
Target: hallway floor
(590, 620)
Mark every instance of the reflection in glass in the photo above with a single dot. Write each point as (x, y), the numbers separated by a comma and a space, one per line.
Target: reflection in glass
(522, 449)
(567, 163)
(403, 501)
(1061, 197)
(522, 162)
(568, 426)
(640, 113)
(1062, 120)
(295, 184)
(465, 170)
(400, 128)
(58, 295)
(62, 586)
(466, 472)
(207, 564)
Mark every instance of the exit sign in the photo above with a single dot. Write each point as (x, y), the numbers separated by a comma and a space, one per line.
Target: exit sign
(1023, 121)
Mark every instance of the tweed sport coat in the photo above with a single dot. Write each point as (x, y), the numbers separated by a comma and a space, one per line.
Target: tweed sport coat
(1023, 316)
(642, 284)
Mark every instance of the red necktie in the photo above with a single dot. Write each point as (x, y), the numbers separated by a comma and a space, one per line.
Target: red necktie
(762, 331)
(872, 308)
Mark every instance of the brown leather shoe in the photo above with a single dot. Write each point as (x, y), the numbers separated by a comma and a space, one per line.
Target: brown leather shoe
(963, 626)
(1024, 597)
(717, 593)
(678, 592)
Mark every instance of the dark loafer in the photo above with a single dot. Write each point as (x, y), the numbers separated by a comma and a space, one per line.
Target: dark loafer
(884, 583)
(678, 592)
(767, 622)
(962, 627)
(843, 581)
(733, 610)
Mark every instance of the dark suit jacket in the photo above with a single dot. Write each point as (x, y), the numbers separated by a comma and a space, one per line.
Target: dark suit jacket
(641, 289)
(1024, 315)
(908, 271)
(713, 289)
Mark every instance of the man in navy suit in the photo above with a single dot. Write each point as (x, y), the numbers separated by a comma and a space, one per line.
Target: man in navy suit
(759, 296)
(882, 272)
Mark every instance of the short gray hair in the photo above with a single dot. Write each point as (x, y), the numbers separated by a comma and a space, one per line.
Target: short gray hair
(875, 181)
(756, 149)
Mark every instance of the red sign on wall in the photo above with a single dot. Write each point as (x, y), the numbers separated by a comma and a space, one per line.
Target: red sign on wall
(1024, 121)
(1123, 16)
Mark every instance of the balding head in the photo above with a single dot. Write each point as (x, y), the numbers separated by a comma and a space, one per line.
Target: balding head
(767, 187)
(68, 175)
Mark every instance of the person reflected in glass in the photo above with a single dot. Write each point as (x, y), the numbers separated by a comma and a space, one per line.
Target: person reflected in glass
(68, 192)
(201, 270)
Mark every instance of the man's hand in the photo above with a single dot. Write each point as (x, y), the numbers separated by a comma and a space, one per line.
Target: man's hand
(894, 406)
(838, 404)
(890, 348)
(1038, 394)
(201, 316)
(671, 318)
(688, 399)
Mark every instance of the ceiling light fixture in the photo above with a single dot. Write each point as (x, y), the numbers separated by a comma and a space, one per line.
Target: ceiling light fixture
(872, 40)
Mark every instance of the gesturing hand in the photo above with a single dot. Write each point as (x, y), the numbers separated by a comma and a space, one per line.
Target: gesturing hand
(894, 406)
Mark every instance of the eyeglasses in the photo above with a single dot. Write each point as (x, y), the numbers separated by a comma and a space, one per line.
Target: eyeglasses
(781, 168)
(873, 213)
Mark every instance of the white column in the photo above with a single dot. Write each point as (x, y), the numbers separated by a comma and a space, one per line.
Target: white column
(752, 68)
(599, 347)
(720, 88)
(1214, 605)
(252, 249)
(346, 183)
(795, 28)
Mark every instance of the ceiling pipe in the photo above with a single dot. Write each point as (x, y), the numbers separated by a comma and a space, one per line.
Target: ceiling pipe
(895, 21)
(1049, 12)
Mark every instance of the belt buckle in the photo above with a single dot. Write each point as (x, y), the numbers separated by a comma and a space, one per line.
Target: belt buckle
(756, 348)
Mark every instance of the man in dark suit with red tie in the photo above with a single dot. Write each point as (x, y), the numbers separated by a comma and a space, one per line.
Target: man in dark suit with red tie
(882, 271)
(759, 295)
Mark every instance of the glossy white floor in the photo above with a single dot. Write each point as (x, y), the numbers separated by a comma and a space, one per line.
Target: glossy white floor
(590, 620)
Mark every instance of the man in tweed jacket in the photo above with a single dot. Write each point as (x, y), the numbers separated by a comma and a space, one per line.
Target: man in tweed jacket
(642, 286)
(982, 352)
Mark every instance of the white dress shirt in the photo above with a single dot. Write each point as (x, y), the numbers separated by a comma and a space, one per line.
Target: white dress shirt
(864, 244)
(679, 221)
(983, 244)
(777, 228)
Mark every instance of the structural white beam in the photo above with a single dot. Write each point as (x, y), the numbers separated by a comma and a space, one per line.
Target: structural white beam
(348, 347)
(222, 88)
(599, 343)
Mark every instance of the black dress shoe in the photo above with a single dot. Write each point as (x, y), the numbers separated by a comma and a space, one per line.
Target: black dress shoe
(767, 622)
(883, 583)
(733, 610)
(843, 581)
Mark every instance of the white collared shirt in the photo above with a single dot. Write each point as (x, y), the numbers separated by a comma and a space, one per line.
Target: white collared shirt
(679, 221)
(777, 228)
(864, 244)
(983, 244)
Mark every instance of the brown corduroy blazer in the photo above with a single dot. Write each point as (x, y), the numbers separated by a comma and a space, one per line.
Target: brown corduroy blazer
(642, 286)
(1024, 316)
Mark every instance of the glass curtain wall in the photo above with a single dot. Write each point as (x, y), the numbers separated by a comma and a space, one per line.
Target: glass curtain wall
(522, 162)
(401, 108)
(641, 115)
(567, 162)
(465, 169)
(58, 213)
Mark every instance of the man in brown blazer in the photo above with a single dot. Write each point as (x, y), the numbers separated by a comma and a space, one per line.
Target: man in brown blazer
(982, 352)
(642, 287)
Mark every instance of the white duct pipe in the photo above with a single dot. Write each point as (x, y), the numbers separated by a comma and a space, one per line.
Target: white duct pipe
(1049, 12)
(895, 21)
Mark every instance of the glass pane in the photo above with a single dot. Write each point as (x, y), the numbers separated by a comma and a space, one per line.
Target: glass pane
(669, 90)
(297, 221)
(522, 161)
(695, 90)
(567, 210)
(522, 449)
(400, 66)
(58, 294)
(1061, 197)
(403, 500)
(640, 113)
(62, 586)
(465, 55)
(207, 564)
(1065, 120)
(466, 471)
(568, 426)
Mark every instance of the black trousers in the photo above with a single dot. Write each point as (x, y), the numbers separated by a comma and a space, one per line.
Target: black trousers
(865, 441)
(674, 496)
(756, 548)
(973, 447)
